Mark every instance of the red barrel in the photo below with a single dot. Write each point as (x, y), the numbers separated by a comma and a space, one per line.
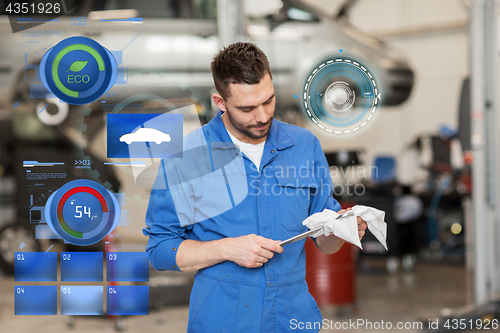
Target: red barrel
(331, 278)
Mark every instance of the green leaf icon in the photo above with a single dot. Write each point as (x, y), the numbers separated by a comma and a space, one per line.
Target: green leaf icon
(77, 66)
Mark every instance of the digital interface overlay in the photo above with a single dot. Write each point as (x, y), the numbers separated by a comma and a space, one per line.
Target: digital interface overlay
(87, 196)
(341, 96)
(82, 212)
(78, 70)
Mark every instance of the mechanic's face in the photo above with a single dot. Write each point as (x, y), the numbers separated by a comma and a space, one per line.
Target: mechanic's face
(249, 109)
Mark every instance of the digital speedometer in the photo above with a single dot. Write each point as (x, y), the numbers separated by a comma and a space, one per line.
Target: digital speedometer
(82, 212)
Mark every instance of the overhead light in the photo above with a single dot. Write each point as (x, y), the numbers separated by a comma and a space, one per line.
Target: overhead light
(113, 14)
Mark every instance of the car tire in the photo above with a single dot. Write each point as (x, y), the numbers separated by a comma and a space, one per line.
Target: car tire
(11, 235)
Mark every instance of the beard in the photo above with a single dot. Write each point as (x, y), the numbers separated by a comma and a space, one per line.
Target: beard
(250, 130)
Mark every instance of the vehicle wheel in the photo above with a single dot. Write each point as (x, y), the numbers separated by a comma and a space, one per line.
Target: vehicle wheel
(11, 236)
(408, 262)
(70, 321)
(120, 324)
(392, 264)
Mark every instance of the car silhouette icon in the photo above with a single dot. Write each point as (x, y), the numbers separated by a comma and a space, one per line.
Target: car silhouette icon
(146, 135)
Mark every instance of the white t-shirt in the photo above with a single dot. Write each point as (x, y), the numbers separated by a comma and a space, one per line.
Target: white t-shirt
(253, 152)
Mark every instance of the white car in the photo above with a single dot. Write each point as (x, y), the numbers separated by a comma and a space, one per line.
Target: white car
(146, 135)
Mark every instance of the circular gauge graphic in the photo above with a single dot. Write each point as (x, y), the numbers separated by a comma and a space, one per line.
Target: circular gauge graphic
(82, 212)
(340, 96)
(78, 70)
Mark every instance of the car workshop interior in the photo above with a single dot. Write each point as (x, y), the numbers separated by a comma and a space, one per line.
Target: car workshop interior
(403, 95)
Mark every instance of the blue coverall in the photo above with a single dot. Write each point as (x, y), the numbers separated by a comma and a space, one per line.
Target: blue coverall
(293, 182)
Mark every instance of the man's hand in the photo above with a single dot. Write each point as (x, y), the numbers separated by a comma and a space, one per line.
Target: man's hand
(250, 251)
(361, 227)
(331, 244)
(361, 224)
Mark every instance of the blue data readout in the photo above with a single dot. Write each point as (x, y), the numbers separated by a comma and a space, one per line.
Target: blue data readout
(35, 266)
(127, 266)
(127, 300)
(82, 300)
(81, 266)
(35, 300)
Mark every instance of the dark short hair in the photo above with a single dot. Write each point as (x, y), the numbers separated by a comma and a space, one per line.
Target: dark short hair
(238, 63)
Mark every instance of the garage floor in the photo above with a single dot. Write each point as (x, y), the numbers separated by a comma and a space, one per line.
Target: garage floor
(403, 297)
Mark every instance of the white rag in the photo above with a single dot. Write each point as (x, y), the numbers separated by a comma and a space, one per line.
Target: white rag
(347, 227)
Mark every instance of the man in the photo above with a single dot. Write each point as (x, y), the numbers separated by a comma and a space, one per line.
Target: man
(245, 282)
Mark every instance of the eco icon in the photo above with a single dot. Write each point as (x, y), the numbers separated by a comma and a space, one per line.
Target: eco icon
(77, 66)
(78, 70)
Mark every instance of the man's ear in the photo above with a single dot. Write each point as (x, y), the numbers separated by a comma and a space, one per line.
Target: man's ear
(219, 101)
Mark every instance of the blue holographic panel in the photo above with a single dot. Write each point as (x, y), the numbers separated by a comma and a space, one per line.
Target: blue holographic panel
(35, 300)
(127, 266)
(35, 266)
(82, 300)
(127, 300)
(81, 266)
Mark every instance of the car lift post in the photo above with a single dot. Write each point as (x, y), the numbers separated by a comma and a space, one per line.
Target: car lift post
(230, 21)
(485, 144)
(485, 141)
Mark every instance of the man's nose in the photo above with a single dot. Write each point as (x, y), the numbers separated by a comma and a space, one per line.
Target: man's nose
(261, 115)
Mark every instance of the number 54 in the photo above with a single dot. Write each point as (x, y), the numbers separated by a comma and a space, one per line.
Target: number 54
(79, 213)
